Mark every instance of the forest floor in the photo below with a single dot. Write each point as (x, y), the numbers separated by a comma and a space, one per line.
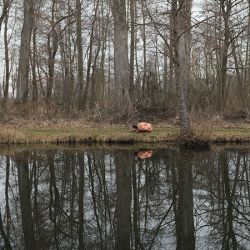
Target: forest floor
(80, 131)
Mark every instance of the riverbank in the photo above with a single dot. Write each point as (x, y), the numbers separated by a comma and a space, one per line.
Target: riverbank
(92, 133)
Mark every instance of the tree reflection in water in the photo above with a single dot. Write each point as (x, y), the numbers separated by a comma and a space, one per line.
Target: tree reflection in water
(111, 199)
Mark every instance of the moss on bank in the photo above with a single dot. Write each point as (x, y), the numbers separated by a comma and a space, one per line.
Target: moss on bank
(116, 134)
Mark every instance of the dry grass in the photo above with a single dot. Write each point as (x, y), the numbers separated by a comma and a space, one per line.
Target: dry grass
(10, 136)
(62, 130)
(107, 134)
(82, 134)
(203, 129)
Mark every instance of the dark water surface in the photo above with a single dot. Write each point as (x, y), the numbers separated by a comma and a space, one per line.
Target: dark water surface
(111, 199)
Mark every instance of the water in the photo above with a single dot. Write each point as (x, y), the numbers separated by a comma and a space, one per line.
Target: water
(111, 199)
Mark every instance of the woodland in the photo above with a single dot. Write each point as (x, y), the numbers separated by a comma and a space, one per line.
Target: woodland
(114, 61)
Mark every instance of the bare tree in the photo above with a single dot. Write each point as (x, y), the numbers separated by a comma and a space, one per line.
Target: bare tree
(23, 68)
(122, 73)
(7, 59)
(5, 10)
(182, 49)
(52, 45)
(80, 52)
(132, 46)
(91, 43)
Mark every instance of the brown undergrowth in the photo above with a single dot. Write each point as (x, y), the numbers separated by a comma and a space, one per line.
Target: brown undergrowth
(49, 125)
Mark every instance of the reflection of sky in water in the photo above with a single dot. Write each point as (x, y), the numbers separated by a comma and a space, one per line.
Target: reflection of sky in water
(154, 179)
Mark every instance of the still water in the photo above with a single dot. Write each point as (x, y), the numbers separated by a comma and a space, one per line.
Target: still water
(117, 198)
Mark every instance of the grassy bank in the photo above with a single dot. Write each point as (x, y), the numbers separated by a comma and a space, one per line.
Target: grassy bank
(108, 134)
(118, 134)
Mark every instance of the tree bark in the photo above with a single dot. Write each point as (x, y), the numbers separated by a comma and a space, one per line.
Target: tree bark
(24, 56)
(7, 60)
(79, 52)
(34, 75)
(226, 9)
(52, 44)
(182, 47)
(144, 39)
(122, 72)
(88, 77)
(132, 48)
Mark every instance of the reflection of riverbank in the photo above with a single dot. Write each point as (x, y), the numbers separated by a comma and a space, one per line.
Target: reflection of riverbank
(106, 199)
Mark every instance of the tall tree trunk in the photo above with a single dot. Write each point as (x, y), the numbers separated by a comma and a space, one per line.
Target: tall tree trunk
(102, 76)
(166, 88)
(69, 80)
(226, 9)
(52, 45)
(34, 76)
(79, 52)
(94, 78)
(88, 77)
(238, 66)
(144, 80)
(122, 99)
(24, 56)
(171, 45)
(7, 61)
(182, 47)
(132, 48)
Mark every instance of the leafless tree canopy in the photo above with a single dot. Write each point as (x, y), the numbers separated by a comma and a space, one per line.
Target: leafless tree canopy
(117, 58)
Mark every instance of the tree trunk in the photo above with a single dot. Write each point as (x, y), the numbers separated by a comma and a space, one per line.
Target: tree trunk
(88, 77)
(122, 74)
(182, 47)
(7, 61)
(226, 9)
(24, 56)
(132, 48)
(52, 44)
(34, 76)
(94, 78)
(79, 52)
(144, 39)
